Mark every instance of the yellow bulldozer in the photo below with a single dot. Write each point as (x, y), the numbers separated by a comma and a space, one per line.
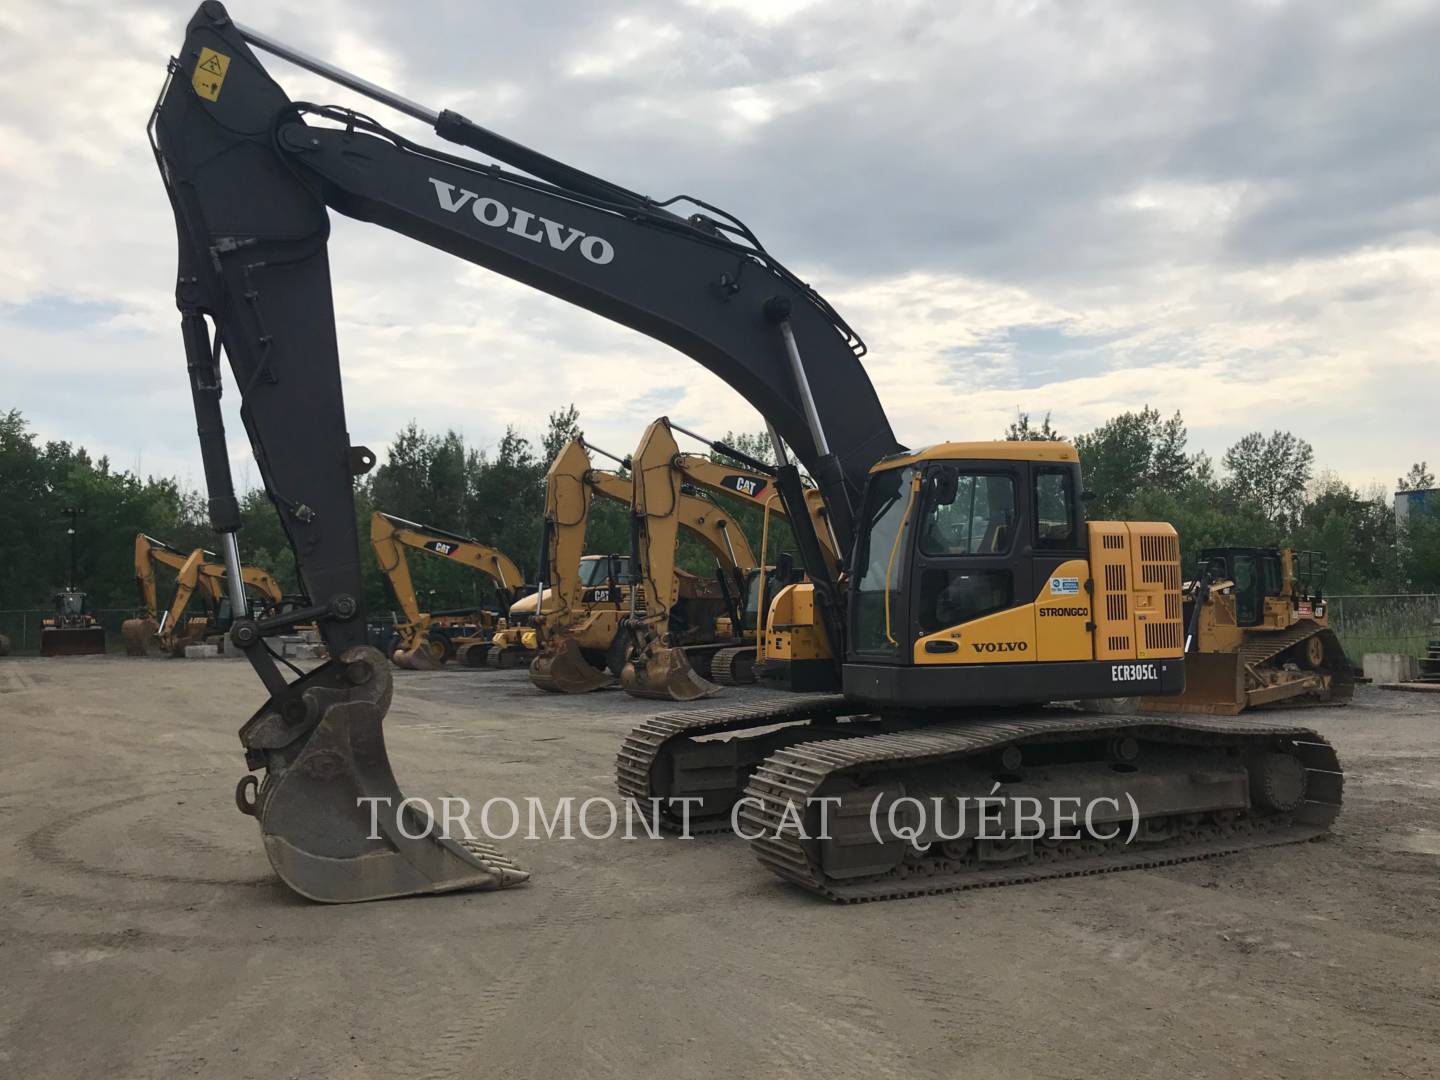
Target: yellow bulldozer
(1258, 635)
(172, 629)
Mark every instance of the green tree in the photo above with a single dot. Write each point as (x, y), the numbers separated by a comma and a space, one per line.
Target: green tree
(1271, 472)
(1020, 430)
(1419, 478)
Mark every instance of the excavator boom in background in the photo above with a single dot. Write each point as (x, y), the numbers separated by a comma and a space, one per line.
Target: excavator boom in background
(429, 639)
(170, 629)
(584, 638)
(971, 576)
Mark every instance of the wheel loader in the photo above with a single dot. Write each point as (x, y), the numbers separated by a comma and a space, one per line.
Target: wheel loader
(1259, 635)
(71, 630)
(426, 640)
(172, 629)
(973, 591)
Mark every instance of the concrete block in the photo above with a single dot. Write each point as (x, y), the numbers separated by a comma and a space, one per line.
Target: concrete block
(201, 652)
(1391, 667)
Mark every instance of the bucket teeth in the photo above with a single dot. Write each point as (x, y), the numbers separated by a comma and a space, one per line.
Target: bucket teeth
(336, 827)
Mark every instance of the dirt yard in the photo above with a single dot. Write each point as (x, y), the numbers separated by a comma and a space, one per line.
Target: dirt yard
(142, 933)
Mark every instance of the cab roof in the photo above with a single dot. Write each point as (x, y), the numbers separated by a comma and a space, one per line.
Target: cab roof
(996, 450)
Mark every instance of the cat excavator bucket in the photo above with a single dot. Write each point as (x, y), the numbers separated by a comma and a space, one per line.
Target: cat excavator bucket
(139, 636)
(561, 668)
(665, 673)
(335, 824)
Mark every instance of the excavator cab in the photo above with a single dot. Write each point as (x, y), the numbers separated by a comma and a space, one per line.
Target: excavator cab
(978, 580)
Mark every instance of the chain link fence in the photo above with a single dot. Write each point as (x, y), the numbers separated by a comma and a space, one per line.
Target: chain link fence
(22, 627)
(1385, 623)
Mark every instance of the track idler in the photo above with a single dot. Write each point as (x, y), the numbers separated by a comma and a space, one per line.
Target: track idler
(336, 827)
(139, 636)
(664, 672)
(561, 668)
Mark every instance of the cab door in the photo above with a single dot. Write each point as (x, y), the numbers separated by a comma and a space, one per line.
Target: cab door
(972, 560)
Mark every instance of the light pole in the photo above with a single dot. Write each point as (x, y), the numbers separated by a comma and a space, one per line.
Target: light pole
(73, 513)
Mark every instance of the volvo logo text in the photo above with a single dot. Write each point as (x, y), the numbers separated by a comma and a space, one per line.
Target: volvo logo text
(523, 223)
(1000, 646)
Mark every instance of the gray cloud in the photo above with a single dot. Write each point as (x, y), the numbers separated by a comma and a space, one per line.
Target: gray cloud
(1075, 206)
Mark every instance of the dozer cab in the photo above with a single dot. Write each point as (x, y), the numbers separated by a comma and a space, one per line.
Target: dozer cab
(71, 630)
(973, 586)
(1259, 635)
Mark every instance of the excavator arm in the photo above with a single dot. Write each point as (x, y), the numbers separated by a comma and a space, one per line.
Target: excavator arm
(390, 536)
(250, 182)
(571, 486)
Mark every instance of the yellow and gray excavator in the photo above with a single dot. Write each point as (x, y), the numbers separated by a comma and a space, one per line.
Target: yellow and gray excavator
(173, 629)
(973, 587)
(1259, 635)
(427, 640)
(583, 641)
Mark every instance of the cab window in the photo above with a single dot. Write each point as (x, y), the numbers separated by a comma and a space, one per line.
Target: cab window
(1054, 508)
(967, 514)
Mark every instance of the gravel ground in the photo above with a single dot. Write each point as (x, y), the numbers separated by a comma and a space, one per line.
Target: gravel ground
(142, 932)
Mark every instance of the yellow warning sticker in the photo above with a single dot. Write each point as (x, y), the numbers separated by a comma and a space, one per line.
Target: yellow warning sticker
(210, 74)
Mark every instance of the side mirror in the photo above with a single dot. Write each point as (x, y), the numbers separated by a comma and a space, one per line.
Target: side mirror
(946, 485)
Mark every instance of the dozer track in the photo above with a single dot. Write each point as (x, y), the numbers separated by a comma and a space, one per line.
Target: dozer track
(1205, 786)
(734, 666)
(1226, 684)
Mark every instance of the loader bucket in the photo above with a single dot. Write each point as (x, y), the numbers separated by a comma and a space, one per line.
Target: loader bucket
(72, 641)
(664, 673)
(336, 827)
(473, 654)
(563, 669)
(1214, 685)
(139, 636)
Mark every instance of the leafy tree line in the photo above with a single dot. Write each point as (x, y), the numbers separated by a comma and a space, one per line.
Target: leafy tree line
(1266, 491)
(494, 494)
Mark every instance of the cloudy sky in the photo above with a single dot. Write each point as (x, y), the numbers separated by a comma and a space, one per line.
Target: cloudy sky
(1076, 207)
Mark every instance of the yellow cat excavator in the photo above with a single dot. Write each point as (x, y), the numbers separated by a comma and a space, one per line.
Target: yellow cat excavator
(1259, 635)
(429, 639)
(582, 638)
(973, 586)
(172, 630)
(752, 484)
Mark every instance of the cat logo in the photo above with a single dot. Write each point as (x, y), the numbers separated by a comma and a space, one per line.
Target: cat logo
(744, 485)
(1000, 646)
(440, 547)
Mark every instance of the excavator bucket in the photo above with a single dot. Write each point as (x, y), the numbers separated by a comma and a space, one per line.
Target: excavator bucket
(665, 673)
(1214, 685)
(563, 669)
(4, 645)
(72, 641)
(336, 826)
(417, 659)
(139, 636)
